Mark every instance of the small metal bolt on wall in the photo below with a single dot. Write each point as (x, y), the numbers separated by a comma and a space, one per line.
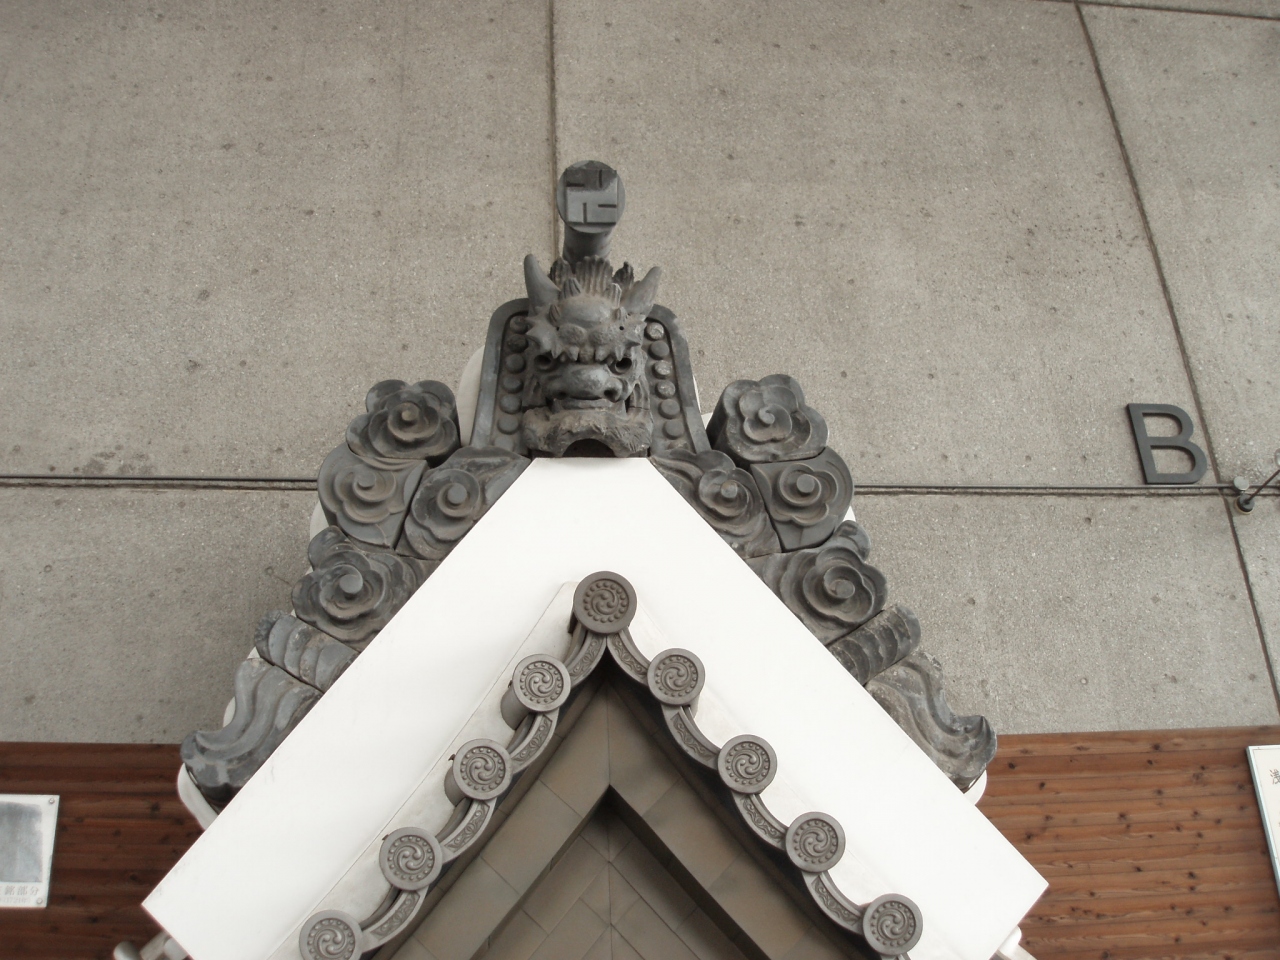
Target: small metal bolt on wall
(1244, 502)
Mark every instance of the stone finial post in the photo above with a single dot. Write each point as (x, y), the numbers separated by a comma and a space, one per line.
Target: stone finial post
(590, 200)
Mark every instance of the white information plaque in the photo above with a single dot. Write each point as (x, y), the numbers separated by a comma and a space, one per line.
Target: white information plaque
(27, 825)
(1265, 764)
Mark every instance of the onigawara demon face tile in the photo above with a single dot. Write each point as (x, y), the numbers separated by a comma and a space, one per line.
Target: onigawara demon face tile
(586, 325)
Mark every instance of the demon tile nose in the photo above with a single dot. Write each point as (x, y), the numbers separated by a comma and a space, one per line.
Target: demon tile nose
(590, 382)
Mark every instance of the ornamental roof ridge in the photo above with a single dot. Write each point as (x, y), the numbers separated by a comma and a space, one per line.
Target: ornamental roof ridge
(482, 770)
(445, 519)
(371, 756)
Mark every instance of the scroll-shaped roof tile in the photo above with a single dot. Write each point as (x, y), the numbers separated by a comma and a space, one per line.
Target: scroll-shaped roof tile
(725, 495)
(766, 421)
(453, 496)
(831, 588)
(367, 497)
(806, 499)
(405, 421)
(352, 592)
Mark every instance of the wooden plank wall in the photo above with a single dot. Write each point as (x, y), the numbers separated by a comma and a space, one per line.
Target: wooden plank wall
(1151, 843)
(121, 827)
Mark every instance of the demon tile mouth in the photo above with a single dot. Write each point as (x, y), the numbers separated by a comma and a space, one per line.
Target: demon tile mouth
(552, 432)
(568, 403)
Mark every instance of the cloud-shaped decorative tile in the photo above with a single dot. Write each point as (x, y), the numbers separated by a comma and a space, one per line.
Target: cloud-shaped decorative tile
(353, 591)
(406, 422)
(831, 588)
(367, 497)
(725, 496)
(806, 499)
(766, 421)
(453, 496)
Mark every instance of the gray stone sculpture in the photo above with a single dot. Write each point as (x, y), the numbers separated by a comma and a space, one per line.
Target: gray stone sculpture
(725, 495)
(911, 692)
(453, 496)
(406, 422)
(587, 365)
(586, 338)
(831, 588)
(766, 421)
(352, 591)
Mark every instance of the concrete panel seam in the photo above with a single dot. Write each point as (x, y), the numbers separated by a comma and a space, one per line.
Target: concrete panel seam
(39, 481)
(1159, 8)
(158, 483)
(1253, 601)
(553, 121)
(1151, 244)
(907, 489)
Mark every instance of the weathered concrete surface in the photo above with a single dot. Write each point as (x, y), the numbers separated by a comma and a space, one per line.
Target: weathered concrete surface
(126, 611)
(1247, 8)
(223, 223)
(1259, 533)
(1082, 613)
(1198, 103)
(919, 209)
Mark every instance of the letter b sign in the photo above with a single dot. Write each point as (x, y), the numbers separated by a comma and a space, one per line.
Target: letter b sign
(1182, 441)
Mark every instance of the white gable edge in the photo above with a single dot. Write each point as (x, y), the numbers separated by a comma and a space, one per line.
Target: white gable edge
(245, 886)
(362, 887)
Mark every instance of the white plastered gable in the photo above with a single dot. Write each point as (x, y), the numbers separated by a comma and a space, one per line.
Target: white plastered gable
(304, 833)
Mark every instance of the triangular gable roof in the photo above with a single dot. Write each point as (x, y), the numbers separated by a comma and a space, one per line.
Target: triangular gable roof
(710, 871)
(330, 791)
